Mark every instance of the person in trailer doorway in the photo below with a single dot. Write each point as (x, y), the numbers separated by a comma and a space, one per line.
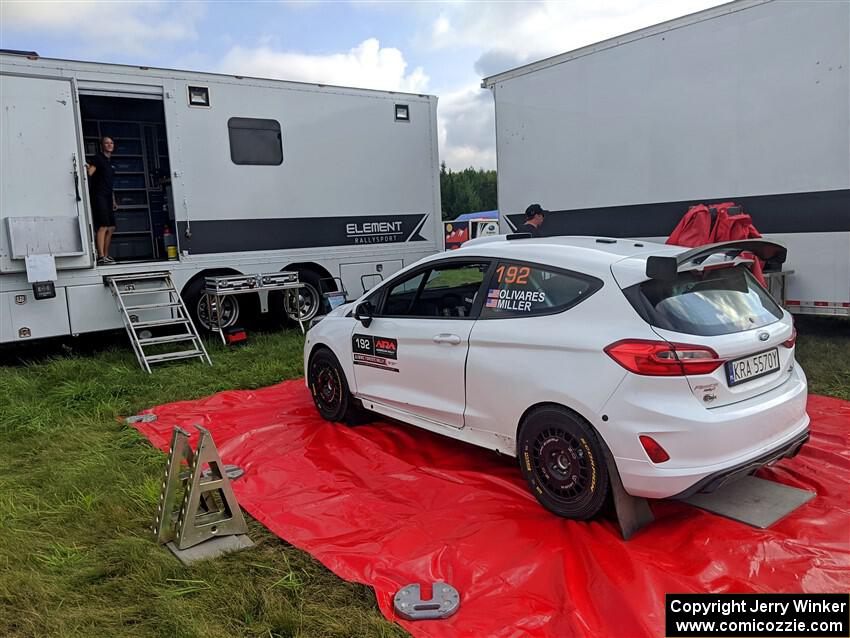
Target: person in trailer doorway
(534, 216)
(101, 176)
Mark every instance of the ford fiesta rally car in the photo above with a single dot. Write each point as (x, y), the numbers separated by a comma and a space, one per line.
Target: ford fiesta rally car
(675, 364)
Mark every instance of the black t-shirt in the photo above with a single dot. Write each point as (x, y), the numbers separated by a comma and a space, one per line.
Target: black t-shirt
(103, 177)
(529, 228)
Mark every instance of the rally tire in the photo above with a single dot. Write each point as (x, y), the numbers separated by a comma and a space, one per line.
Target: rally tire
(562, 460)
(329, 389)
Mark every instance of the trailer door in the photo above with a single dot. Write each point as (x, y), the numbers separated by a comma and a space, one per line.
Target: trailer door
(42, 179)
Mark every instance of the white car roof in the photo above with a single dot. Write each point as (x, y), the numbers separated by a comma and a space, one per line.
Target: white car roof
(593, 255)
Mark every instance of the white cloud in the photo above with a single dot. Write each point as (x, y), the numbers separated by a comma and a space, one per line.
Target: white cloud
(442, 27)
(465, 123)
(127, 28)
(517, 33)
(367, 65)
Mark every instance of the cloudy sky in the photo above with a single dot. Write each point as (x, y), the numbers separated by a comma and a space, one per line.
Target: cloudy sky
(441, 48)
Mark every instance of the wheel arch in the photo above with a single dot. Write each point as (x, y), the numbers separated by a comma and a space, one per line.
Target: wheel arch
(316, 347)
(555, 404)
(208, 272)
(312, 266)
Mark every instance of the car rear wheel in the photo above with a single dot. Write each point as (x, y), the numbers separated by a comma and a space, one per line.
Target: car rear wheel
(561, 459)
(330, 389)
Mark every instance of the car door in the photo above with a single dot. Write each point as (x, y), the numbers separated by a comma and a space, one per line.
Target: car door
(537, 340)
(412, 355)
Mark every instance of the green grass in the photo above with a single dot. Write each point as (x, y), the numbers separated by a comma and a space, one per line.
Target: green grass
(79, 490)
(78, 495)
(823, 349)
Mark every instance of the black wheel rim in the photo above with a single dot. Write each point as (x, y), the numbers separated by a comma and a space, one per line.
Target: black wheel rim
(326, 386)
(562, 465)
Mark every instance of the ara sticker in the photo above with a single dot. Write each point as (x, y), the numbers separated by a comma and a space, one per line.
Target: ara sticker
(375, 352)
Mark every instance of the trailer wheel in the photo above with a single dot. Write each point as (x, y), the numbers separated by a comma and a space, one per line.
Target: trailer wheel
(309, 298)
(196, 302)
(306, 305)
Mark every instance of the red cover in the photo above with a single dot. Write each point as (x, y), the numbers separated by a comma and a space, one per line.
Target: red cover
(389, 505)
(697, 228)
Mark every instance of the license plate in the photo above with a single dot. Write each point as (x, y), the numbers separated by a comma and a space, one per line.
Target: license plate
(752, 367)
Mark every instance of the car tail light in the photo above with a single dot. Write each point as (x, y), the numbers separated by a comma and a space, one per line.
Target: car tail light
(663, 359)
(789, 343)
(656, 453)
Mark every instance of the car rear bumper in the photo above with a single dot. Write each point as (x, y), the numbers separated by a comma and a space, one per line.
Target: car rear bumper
(706, 446)
(715, 481)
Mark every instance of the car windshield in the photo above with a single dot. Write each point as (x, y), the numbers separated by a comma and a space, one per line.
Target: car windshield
(713, 302)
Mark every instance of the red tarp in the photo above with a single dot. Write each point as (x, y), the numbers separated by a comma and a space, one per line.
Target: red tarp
(388, 505)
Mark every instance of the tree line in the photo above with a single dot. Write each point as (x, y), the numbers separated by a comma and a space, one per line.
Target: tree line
(467, 191)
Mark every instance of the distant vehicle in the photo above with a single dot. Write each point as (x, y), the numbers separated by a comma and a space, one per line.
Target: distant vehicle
(249, 175)
(469, 226)
(745, 102)
(560, 350)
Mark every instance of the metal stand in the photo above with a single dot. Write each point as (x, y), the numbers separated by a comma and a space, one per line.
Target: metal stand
(208, 509)
(219, 287)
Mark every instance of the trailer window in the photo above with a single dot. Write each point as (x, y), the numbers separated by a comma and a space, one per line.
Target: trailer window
(255, 142)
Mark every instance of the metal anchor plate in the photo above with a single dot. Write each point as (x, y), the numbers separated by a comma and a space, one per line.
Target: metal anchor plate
(444, 601)
(141, 418)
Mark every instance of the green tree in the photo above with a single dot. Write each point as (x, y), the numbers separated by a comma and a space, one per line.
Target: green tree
(467, 191)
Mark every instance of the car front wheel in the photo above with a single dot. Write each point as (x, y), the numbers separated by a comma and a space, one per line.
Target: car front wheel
(562, 461)
(330, 389)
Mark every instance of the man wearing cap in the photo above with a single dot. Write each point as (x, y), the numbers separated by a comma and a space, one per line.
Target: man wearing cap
(534, 216)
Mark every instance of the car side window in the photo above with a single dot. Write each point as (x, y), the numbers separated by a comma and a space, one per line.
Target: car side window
(522, 290)
(399, 299)
(444, 290)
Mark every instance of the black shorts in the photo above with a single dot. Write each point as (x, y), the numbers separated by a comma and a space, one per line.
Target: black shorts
(102, 212)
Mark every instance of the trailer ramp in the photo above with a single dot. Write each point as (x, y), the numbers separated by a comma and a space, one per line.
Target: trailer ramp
(156, 318)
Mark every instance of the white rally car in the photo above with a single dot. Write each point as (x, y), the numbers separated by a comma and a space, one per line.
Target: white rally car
(574, 352)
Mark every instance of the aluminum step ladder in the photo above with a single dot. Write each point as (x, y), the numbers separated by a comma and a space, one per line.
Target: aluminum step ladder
(148, 301)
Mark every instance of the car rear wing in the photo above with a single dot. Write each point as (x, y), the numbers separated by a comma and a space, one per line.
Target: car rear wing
(667, 268)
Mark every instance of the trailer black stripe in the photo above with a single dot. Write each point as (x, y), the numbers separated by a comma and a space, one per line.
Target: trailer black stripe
(814, 212)
(237, 235)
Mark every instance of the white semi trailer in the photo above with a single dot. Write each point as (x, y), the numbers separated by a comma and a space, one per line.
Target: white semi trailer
(748, 101)
(250, 175)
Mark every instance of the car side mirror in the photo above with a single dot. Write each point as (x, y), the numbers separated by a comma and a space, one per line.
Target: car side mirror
(363, 313)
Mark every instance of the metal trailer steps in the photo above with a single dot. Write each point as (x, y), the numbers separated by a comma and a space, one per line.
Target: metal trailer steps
(156, 304)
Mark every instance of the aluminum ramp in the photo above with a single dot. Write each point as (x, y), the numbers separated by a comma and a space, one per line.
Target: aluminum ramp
(149, 303)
